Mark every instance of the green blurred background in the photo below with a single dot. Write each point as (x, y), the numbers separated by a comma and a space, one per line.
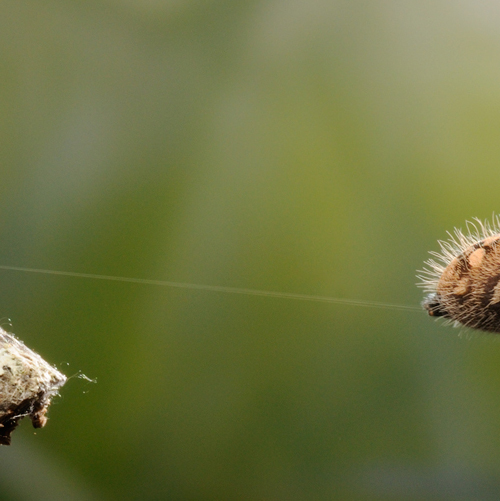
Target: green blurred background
(311, 146)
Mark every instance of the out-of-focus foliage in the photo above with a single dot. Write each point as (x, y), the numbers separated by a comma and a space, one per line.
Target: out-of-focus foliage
(316, 147)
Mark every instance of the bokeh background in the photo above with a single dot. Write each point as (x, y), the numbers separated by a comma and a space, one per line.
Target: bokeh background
(306, 146)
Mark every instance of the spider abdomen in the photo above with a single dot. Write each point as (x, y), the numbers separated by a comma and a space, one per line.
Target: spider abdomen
(466, 287)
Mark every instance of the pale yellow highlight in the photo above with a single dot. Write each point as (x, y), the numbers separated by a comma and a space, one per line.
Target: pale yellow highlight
(462, 287)
(496, 294)
(476, 257)
(491, 240)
